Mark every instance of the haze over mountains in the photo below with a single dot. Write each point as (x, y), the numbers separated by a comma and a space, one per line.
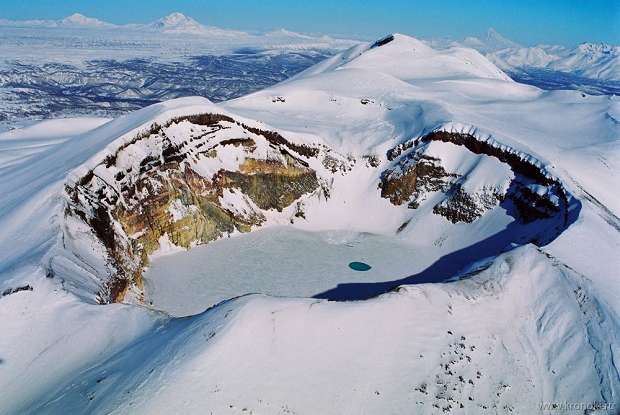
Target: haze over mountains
(174, 23)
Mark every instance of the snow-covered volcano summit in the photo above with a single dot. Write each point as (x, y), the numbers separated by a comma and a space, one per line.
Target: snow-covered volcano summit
(408, 59)
(178, 23)
(501, 193)
(492, 42)
(77, 19)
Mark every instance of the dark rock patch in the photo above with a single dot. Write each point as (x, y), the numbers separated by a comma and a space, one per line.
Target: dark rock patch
(411, 178)
(163, 196)
(10, 291)
(382, 41)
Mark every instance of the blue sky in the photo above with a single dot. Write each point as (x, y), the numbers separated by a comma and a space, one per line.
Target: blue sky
(565, 22)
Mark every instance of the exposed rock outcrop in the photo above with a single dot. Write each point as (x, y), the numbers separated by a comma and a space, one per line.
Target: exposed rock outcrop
(193, 180)
(412, 178)
(461, 206)
(198, 178)
(416, 174)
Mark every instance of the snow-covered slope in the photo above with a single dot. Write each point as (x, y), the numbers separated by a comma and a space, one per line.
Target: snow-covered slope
(423, 349)
(409, 59)
(504, 192)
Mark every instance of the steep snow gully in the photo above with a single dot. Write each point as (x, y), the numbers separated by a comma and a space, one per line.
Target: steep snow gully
(508, 299)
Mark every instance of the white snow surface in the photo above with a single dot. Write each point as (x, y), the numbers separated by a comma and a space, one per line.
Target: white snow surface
(532, 325)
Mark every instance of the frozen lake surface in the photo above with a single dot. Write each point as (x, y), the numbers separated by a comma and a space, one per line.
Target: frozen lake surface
(279, 261)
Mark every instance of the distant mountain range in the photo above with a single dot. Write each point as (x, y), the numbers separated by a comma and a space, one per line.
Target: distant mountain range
(74, 20)
(590, 60)
(141, 38)
(174, 23)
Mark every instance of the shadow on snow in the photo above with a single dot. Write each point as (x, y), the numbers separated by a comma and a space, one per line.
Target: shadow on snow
(517, 233)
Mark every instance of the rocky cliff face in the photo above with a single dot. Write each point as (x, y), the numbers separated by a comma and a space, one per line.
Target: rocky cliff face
(413, 177)
(190, 181)
(519, 184)
(198, 178)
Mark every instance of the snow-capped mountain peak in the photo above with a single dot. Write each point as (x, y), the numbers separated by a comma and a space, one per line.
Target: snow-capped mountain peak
(178, 23)
(408, 58)
(497, 39)
(177, 19)
(77, 19)
(598, 49)
(493, 41)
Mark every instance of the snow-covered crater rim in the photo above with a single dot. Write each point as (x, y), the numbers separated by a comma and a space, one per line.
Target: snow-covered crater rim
(195, 178)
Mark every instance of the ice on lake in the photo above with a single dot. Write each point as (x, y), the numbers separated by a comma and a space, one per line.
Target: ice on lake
(279, 261)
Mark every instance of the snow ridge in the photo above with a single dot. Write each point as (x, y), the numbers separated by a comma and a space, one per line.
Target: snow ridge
(487, 138)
